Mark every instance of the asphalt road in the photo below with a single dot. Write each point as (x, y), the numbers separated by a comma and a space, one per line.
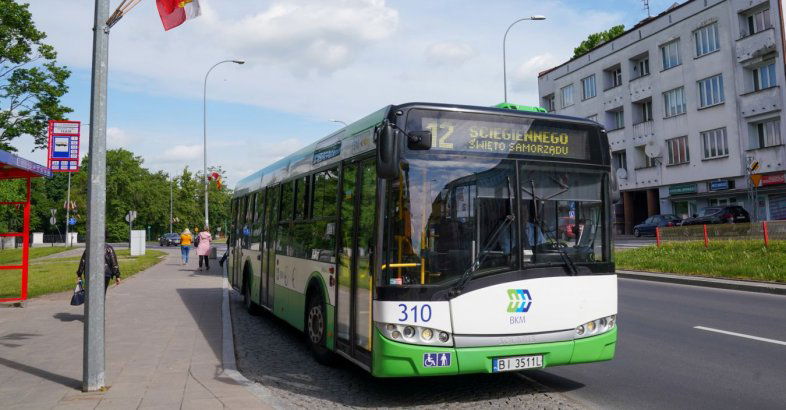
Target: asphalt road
(663, 361)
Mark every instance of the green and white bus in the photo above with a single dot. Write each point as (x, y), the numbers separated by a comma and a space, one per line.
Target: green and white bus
(433, 239)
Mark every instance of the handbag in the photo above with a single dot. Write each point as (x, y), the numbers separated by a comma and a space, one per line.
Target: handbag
(196, 240)
(78, 297)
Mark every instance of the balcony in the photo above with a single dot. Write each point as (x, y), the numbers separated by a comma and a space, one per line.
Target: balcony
(642, 132)
(617, 139)
(755, 45)
(647, 177)
(760, 102)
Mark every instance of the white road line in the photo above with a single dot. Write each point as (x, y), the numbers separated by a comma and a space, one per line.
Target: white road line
(725, 332)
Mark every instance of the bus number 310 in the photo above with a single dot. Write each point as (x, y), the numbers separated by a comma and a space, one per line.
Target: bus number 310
(424, 310)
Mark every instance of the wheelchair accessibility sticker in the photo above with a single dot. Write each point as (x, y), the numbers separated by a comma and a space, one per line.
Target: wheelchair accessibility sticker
(436, 359)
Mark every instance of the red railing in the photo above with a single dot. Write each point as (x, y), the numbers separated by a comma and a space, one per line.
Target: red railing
(764, 231)
(23, 266)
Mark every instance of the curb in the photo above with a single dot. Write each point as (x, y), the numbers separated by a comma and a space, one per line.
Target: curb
(746, 286)
(228, 352)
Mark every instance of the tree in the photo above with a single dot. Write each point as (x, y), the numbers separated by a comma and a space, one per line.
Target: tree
(31, 82)
(596, 39)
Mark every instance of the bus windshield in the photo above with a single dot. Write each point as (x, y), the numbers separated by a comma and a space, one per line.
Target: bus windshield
(448, 213)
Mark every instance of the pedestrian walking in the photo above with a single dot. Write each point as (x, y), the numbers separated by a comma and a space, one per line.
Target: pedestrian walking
(111, 266)
(185, 245)
(203, 247)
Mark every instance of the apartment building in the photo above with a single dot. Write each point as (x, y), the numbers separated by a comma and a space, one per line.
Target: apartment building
(689, 98)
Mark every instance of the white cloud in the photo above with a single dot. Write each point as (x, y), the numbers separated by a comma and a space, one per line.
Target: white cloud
(308, 36)
(449, 53)
(116, 138)
(179, 153)
(525, 75)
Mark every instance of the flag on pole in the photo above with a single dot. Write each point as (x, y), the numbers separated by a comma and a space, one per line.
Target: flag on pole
(174, 12)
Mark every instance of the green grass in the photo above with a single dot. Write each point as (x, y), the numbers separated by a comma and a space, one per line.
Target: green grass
(14, 256)
(726, 259)
(59, 274)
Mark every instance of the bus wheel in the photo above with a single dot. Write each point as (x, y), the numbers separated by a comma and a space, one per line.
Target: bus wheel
(316, 330)
(251, 307)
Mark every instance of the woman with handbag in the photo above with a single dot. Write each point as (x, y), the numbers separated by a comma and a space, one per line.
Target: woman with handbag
(203, 242)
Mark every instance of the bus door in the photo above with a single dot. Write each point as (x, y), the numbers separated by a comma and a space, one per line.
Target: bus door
(355, 289)
(237, 239)
(269, 246)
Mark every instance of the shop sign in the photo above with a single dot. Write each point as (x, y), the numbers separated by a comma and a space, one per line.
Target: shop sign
(719, 185)
(773, 179)
(681, 189)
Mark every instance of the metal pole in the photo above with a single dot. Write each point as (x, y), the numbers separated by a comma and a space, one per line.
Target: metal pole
(68, 210)
(170, 205)
(504, 52)
(93, 366)
(204, 130)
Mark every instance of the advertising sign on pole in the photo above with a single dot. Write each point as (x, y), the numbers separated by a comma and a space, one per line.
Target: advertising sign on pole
(63, 152)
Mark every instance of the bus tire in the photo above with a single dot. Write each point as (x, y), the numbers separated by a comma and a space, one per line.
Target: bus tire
(249, 304)
(316, 329)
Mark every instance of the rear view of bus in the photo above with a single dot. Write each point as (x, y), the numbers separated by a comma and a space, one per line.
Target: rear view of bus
(493, 242)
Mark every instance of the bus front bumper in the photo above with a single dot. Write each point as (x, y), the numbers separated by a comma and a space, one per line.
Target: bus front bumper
(395, 359)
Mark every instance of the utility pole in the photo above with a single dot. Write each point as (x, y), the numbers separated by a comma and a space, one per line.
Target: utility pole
(170, 204)
(68, 210)
(93, 364)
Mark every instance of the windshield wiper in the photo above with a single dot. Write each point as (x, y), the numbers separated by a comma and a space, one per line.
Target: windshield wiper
(539, 224)
(467, 275)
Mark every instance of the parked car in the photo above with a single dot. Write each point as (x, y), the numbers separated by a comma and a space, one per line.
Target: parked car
(169, 239)
(648, 226)
(719, 215)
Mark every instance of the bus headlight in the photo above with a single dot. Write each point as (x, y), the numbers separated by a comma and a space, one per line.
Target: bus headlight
(596, 327)
(414, 334)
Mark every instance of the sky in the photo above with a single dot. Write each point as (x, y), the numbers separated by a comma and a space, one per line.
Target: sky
(307, 63)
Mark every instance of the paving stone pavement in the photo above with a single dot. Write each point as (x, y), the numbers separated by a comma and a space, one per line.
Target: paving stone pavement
(275, 355)
(164, 347)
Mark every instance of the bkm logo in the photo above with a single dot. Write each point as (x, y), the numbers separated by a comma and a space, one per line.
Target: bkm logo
(519, 300)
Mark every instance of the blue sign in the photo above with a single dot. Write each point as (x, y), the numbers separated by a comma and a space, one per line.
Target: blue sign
(72, 221)
(720, 185)
(436, 359)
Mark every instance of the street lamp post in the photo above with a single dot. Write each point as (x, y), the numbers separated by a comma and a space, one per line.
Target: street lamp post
(204, 130)
(339, 122)
(504, 40)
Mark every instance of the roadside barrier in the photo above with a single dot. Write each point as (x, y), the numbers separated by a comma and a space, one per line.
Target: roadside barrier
(765, 231)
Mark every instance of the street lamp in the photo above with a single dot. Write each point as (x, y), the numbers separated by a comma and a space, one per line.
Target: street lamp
(339, 121)
(204, 129)
(504, 40)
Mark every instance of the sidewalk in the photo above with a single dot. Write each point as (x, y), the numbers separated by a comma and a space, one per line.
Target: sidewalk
(164, 347)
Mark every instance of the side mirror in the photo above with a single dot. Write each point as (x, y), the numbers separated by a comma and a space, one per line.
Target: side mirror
(419, 140)
(387, 151)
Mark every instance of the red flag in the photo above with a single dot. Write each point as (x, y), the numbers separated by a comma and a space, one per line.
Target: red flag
(174, 12)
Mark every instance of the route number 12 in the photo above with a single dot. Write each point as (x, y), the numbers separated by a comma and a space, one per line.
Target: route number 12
(423, 312)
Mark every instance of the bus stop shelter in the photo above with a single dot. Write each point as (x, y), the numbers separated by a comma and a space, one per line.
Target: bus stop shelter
(15, 167)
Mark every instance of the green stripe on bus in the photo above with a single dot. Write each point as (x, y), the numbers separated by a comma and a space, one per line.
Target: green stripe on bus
(290, 306)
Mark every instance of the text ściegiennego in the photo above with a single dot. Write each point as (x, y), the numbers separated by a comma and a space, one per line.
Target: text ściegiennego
(518, 141)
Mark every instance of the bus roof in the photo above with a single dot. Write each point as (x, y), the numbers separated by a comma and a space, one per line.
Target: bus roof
(356, 138)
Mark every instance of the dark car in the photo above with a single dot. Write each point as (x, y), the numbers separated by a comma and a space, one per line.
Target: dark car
(169, 239)
(719, 215)
(648, 226)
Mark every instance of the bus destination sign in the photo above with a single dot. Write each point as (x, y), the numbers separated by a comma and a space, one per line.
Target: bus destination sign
(521, 137)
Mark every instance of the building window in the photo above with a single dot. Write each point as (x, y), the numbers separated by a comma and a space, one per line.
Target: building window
(549, 103)
(678, 150)
(764, 76)
(644, 161)
(671, 54)
(758, 21)
(613, 77)
(764, 134)
(711, 91)
(567, 96)
(593, 117)
(642, 67)
(620, 160)
(706, 39)
(588, 87)
(646, 111)
(674, 101)
(715, 145)
(617, 119)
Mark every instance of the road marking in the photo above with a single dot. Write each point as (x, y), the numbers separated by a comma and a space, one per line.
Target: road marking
(725, 332)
